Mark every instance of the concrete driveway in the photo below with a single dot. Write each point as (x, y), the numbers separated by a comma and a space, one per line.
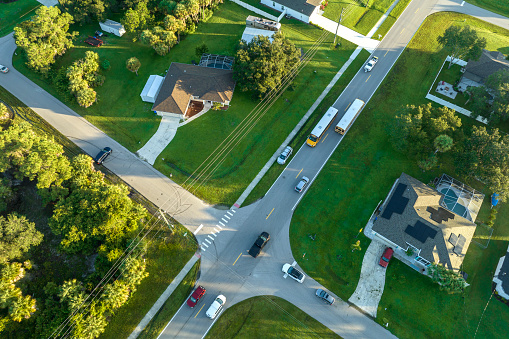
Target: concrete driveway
(371, 284)
(158, 142)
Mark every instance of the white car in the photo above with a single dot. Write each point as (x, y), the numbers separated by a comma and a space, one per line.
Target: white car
(3, 69)
(294, 273)
(216, 306)
(284, 155)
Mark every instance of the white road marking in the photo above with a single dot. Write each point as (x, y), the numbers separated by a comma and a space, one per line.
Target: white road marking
(204, 244)
(227, 217)
(284, 276)
(215, 235)
(462, 3)
(172, 318)
(215, 229)
(219, 226)
(204, 250)
(233, 211)
(229, 213)
(294, 262)
(220, 223)
(198, 229)
(210, 238)
(226, 221)
(207, 240)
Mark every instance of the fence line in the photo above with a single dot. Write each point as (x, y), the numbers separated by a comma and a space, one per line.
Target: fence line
(256, 10)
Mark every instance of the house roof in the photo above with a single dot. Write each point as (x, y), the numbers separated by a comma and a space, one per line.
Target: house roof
(303, 6)
(413, 215)
(184, 82)
(489, 63)
(501, 277)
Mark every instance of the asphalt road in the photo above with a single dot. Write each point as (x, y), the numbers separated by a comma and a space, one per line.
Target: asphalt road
(225, 236)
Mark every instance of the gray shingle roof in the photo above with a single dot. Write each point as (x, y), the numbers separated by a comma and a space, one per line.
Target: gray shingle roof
(303, 6)
(489, 63)
(413, 224)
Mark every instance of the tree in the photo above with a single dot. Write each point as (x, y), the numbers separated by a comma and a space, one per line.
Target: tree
(44, 37)
(485, 157)
(175, 25)
(17, 235)
(19, 307)
(133, 64)
(133, 272)
(97, 214)
(449, 281)
(416, 127)
(200, 50)
(160, 39)
(32, 155)
(86, 97)
(443, 143)
(167, 6)
(137, 19)
(115, 295)
(260, 65)
(84, 74)
(428, 163)
(462, 43)
(491, 100)
(84, 11)
(4, 114)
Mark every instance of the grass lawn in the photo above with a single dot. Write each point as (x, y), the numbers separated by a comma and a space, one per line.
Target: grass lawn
(14, 12)
(391, 19)
(166, 256)
(356, 16)
(259, 5)
(267, 317)
(122, 115)
(361, 173)
(498, 6)
(171, 306)
(450, 75)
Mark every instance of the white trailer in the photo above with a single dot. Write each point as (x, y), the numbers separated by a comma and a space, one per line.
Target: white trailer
(113, 27)
(349, 117)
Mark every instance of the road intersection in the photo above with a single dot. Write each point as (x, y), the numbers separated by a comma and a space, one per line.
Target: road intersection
(225, 236)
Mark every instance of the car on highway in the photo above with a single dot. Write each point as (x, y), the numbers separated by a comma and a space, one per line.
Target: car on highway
(196, 296)
(284, 155)
(3, 69)
(302, 184)
(216, 306)
(371, 63)
(325, 296)
(262, 240)
(386, 257)
(102, 155)
(294, 273)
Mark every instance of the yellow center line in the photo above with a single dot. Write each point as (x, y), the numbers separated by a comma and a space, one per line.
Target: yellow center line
(368, 78)
(241, 253)
(386, 53)
(299, 173)
(348, 106)
(199, 311)
(327, 134)
(402, 31)
(267, 217)
(417, 10)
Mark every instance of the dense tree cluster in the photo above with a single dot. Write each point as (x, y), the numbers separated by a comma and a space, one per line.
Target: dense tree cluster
(261, 65)
(84, 11)
(449, 280)
(84, 75)
(44, 37)
(89, 216)
(491, 100)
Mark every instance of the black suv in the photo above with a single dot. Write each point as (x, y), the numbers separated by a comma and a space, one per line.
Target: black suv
(102, 155)
(259, 244)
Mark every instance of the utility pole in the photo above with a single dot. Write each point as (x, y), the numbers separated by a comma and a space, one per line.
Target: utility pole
(339, 23)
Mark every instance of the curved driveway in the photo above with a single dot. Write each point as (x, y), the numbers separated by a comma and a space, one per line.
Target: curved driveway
(226, 267)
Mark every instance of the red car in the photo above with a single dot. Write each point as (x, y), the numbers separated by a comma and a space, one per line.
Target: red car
(386, 257)
(196, 296)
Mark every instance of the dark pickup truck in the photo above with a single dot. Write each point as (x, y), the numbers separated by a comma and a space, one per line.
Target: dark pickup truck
(259, 244)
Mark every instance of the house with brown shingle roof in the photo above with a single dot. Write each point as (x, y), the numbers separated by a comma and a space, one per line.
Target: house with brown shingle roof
(187, 86)
(432, 225)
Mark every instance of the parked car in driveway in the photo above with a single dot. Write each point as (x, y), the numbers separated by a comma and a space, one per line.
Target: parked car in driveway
(294, 273)
(196, 296)
(325, 296)
(386, 257)
(3, 69)
(102, 155)
(262, 240)
(302, 184)
(216, 306)
(284, 155)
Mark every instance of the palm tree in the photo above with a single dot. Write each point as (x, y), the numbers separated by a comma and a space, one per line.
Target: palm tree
(443, 143)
